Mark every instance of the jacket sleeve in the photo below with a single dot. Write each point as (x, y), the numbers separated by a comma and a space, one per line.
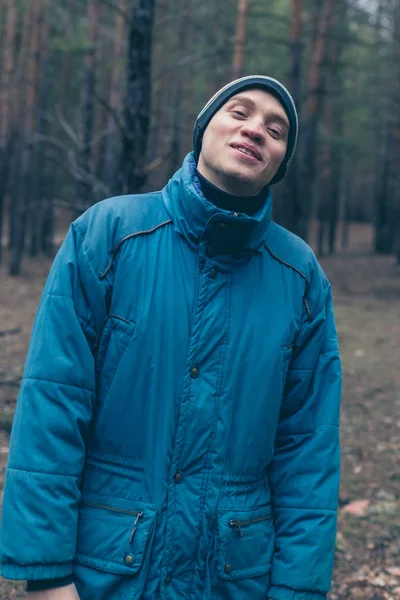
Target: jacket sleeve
(305, 471)
(51, 422)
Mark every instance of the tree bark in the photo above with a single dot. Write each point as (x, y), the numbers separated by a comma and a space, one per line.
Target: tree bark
(333, 129)
(22, 154)
(382, 204)
(324, 188)
(137, 98)
(396, 189)
(293, 210)
(115, 98)
(240, 39)
(38, 184)
(5, 107)
(178, 104)
(86, 171)
(313, 110)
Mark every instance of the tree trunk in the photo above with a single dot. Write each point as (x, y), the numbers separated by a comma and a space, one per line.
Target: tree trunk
(383, 134)
(313, 110)
(5, 106)
(86, 171)
(137, 98)
(40, 121)
(240, 39)
(21, 158)
(292, 203)
(395, 217)
(348, 191)
(382, 206)
(335, 127)
(110, 162)
(322, 229)
(177, 119)
(7, 70)
(47, 224)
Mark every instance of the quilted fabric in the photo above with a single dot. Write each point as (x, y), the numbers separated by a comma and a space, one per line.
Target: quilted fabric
(176, 431)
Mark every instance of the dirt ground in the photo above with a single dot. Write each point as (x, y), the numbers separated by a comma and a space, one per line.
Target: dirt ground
(366, 294)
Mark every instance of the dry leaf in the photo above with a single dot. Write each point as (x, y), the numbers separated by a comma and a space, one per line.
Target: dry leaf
(395, 571)
(357, 508)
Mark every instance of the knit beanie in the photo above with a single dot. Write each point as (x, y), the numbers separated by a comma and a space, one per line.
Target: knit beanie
(263, 82)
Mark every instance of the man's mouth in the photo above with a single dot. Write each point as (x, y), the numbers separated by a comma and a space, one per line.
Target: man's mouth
(245, 149)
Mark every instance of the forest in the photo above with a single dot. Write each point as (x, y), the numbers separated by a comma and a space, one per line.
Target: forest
(99, 98)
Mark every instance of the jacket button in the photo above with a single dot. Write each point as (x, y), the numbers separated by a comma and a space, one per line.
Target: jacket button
(128, 560)
(194, 372)
(178, 478)
(213, 273)
(209, 252)
(228, 568)
(168, 579)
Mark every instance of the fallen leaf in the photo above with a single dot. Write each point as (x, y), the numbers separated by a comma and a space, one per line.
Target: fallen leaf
(378, 582)
(395, 571)
(357, 508)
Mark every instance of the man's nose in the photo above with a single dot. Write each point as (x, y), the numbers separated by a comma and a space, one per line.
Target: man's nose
(254, 129)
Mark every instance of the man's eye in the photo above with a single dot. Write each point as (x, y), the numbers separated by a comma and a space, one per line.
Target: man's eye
(240, 113)
(276, 133)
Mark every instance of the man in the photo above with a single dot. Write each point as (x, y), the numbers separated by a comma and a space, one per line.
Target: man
(176, 433)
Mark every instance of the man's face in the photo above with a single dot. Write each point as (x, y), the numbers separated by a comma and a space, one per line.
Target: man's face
(245, 143)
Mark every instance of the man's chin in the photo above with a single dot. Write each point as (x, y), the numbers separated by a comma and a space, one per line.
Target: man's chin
(243, 182)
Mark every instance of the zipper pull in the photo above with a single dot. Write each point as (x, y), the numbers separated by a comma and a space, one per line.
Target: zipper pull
(139, 516)
(236, 524)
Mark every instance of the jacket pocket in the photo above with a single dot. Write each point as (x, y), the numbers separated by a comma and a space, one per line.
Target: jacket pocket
(113, 342)
(113, 533)
(245, 543)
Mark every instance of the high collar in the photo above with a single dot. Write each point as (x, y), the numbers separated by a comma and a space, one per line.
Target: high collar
(248, 205)
(201, 222)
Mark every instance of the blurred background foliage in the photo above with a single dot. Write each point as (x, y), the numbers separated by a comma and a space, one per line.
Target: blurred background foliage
(99, 97)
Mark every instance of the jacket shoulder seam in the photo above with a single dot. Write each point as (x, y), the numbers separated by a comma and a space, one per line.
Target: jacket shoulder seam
(287, 264)
(117, 248)
(303, 275)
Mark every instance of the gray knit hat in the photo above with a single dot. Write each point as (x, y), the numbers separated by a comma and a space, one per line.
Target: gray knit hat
(244, 83)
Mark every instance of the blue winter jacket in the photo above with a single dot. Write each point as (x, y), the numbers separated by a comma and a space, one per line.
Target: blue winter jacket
(176, 432)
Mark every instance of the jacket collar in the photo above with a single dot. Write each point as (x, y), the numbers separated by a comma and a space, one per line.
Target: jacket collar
(199, 221)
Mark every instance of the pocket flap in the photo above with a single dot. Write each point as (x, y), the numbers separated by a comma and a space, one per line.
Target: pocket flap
(113, 533)
(246, 543)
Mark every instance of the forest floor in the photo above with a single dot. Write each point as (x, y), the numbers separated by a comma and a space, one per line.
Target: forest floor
(366, 295)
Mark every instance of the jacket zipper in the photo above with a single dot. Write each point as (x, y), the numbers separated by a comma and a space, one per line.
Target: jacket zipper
(124, 511)
(238, 524)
